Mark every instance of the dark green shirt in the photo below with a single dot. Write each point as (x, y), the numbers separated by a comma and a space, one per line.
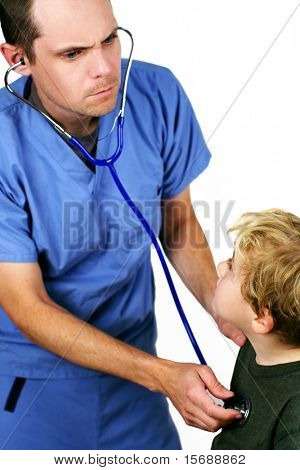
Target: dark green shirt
(274, 393)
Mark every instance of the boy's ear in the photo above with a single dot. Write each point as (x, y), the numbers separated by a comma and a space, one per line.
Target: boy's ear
(264, 322)
(12, 55)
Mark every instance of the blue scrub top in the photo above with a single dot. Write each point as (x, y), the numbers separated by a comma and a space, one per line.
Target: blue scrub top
(93, 253)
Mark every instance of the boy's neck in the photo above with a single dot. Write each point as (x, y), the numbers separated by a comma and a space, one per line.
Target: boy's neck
(271, 351)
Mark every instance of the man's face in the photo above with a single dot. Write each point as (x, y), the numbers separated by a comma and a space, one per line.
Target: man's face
(228, 301)
(77, 56)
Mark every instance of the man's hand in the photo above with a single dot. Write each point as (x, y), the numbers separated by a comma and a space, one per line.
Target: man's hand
(231, 331)
(228, 329)
(185, 384)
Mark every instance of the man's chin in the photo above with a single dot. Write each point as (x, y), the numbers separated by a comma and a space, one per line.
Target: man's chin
(100, 109)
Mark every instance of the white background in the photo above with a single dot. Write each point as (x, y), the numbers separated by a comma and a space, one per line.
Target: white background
(213, 47)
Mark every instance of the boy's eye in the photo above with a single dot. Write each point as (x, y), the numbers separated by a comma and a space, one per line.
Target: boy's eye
(229, 263)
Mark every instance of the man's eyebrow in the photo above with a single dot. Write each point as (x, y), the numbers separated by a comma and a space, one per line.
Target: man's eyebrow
(78, 46)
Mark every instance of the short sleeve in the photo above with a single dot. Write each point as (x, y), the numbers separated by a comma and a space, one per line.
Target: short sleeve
(16, 244)
(185, 153)
(287, 435)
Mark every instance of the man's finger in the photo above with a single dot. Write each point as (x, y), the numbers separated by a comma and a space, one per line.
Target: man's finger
(198, 415)
(231, 331)
(222, 414)
(212, 383)
(204, 403)
(197, 423)
(240, 340)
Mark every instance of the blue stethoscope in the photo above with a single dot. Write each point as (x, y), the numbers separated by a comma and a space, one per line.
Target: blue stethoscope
(242, 405)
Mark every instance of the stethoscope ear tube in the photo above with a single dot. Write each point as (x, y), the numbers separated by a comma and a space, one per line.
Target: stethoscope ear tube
(54, 124)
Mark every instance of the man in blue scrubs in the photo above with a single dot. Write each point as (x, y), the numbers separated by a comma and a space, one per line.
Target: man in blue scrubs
(79, 367)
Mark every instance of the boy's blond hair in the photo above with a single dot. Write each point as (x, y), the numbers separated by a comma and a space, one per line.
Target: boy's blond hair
(268, 243)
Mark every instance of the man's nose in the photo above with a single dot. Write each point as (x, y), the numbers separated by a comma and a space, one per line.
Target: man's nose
(100, 64)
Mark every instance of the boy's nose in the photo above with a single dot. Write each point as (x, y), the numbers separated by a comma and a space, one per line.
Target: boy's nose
(221, 268)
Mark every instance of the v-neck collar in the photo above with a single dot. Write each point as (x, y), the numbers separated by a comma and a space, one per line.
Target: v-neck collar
(60, 150)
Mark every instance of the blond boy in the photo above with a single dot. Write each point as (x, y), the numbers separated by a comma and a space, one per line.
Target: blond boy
(259, 291)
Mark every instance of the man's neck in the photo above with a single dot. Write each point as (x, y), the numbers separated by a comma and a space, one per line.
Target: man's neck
(271, 351)
(77, 125)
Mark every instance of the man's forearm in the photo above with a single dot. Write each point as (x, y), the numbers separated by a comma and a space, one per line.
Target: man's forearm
(60, 332)
(188, 251)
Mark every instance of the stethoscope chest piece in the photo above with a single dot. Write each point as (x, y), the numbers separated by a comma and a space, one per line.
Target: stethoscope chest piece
(243, 405)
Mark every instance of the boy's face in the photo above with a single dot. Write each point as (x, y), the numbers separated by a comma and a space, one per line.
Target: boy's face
(228, 302)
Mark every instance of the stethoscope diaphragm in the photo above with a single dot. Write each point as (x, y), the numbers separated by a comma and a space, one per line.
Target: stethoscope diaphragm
(243, 405)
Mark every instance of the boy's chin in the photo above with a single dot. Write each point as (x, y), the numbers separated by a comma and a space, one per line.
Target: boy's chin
(217, 311)
(221, 316)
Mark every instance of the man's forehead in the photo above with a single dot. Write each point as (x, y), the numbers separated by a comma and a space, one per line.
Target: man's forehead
(66, 17)
(87, 43)
(68, 37)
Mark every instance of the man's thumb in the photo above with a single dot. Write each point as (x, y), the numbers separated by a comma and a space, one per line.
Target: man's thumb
(213, 385)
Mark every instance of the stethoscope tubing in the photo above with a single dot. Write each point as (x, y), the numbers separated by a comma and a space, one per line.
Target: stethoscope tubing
(153, 238)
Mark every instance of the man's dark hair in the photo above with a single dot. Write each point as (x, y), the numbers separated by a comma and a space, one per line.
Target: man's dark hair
(18, 26)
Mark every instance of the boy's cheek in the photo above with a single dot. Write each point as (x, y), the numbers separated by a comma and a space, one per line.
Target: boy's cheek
(224, 303)
(219, 302)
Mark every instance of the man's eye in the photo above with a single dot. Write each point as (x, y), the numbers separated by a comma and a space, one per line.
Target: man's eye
(111, 38)
(72, 55)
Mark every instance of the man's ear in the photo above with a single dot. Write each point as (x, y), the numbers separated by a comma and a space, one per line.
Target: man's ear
(12, 55)
(264, 323)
